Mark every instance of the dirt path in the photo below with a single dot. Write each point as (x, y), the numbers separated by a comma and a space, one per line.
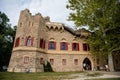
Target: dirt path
(83, 76)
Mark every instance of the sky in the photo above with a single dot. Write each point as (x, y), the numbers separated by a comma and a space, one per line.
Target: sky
(56, 9)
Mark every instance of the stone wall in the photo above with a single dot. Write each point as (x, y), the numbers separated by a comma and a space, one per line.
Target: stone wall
(70, 65)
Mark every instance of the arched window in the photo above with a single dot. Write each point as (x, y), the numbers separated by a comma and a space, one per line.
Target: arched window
(17, 42)
(52, 45)
(29, 41)
(63, 46)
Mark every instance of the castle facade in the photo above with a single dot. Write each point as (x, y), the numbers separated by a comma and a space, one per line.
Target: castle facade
(39, 41)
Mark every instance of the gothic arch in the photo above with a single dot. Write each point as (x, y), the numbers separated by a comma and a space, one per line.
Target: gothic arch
(87, 65)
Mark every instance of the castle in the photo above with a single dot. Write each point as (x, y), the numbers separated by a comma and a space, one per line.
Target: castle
(38, 40)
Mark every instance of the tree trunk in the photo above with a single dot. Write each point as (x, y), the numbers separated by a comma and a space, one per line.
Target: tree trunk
(110, 62)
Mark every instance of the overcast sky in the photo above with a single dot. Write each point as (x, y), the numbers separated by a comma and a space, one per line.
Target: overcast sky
(56, 9)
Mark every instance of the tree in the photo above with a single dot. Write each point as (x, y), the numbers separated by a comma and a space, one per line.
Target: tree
(102, 17)
(7, 35)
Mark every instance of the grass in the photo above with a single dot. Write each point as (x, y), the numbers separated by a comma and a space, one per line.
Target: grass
(48, 76)
(36, 76)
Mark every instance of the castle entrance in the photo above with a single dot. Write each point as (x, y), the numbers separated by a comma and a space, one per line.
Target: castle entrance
(87, 64)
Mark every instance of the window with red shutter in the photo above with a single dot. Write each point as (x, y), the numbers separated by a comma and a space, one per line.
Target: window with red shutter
(41, 43)
(29, 41)
(86, 47)
(52, 45)
(75, 46)
(63, 46)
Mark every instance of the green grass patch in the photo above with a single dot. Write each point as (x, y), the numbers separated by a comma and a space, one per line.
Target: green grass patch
(36, 76)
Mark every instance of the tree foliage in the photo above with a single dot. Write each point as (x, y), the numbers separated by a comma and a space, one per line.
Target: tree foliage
(7, 35)
(103, 19)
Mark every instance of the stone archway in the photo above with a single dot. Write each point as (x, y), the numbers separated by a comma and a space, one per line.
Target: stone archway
(87, 64)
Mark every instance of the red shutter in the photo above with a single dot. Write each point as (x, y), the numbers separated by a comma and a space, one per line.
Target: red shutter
(49, 45)
(54, 45)
(78, 46)
(88, 47)
(25, 41)
(17, 42)
(60, 45)
(32, 41)
(44, 44)
(72, 46)
(83, 46)
(66, 46)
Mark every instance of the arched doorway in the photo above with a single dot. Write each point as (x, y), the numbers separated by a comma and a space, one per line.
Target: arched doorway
(87, 64)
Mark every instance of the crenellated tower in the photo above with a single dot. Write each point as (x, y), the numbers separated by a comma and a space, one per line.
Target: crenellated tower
(29, 32)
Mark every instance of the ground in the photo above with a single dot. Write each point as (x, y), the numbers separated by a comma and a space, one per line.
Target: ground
(95, 75)
(86, 75)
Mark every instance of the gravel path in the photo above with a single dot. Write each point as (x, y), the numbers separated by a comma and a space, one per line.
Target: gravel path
(82, 76)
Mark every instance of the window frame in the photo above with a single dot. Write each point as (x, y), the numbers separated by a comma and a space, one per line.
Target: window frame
(26, 59)
(63, 46)
(86, 47)
(52, 45)
(51, 61)
(76, 61)
(73, 46)
(64, 61)
(29, 41)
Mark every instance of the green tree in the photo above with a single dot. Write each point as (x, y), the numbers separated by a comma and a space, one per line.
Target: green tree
(102, 17)
(7, 35)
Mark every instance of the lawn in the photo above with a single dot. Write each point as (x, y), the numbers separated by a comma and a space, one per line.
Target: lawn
(47, 76)
(36, 76)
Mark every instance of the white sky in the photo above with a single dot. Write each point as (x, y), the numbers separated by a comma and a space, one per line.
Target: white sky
(56, 9)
